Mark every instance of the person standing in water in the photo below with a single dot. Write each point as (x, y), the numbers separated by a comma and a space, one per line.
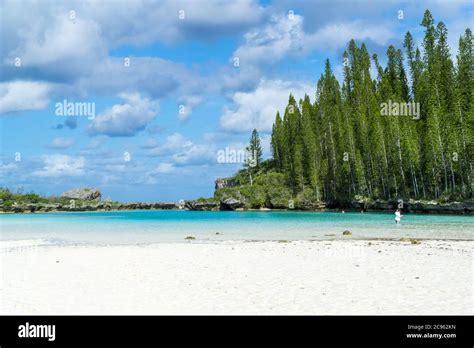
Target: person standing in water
(398, 216)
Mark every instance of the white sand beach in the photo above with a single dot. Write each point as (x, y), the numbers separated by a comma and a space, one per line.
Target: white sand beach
(303, 277)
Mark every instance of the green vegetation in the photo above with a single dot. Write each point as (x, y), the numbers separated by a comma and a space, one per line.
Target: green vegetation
(10, 199)
(345, 145)
(268, 189)
(206, 200)
(254, 149)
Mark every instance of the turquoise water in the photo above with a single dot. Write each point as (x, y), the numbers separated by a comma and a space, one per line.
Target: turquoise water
(136, 227)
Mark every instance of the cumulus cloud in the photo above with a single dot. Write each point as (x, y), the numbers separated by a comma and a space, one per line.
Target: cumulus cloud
(63, 40)
(61, 143)
(151, 75)
(61, 165)
(284, 35)
(160, 21)
(273, 41)
(258, 108)
(23, 95)
(336, 35)
(74, 52)
(174, 142)
(163, 21)
(127, 119)
(180, 150)
(195, 154)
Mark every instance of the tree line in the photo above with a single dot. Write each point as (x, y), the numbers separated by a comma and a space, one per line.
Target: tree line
(346, 144)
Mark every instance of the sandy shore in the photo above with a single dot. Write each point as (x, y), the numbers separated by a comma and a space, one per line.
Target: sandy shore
(304, 277)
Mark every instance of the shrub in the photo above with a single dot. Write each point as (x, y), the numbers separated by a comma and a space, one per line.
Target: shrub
(5, 194)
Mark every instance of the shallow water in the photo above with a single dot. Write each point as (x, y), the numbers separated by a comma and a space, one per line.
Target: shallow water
(136, 227)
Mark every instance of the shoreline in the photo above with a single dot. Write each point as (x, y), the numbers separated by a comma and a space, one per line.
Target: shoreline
(324, 277)
(262, 210)
(33, 242)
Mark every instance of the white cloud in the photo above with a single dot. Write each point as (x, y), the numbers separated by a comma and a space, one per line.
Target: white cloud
(63, 40)
(116, 22)
(43, 26)
(160, 21)
(180, 150)
(155, 76)
(125, 119)
(152, 76)
(7, 167)
(61, 165)
(154, 176)
(186, 107)
(257, 109)
(273, 41)
(61, 143)
(175, 142)
(53, 47)
(285, 35)
(194, 154)
(337, 35)
(165, 168)
(96, 143)
(23, 95)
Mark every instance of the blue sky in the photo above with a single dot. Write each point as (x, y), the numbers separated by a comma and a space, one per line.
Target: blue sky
(160, 122)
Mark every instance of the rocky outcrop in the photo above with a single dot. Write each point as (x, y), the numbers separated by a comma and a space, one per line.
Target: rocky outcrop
(86, 194)
(221, 183)
(202, 206)
(99, 206)
(277, 203)
(309, 205)
(50, 207)
(18, 208)
(231, 203)
(358, 203)
(380, 205)
(147, 206)
(439, 208)
(413, 206)
(165, 206)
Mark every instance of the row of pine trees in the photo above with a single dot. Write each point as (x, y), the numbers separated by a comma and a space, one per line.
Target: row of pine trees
(341, 145)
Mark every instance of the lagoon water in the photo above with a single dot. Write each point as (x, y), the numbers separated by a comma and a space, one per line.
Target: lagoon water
(143, 227)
